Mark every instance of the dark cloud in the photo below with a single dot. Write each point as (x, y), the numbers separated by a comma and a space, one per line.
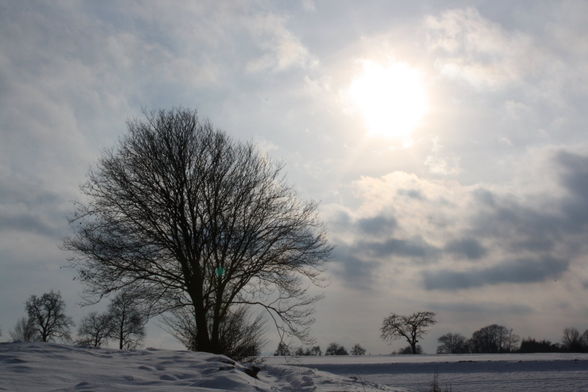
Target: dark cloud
(574, 177)
(413, 248)
(27, 222)
(480, 307)
(516, 271)
(355, 272)
(25, 206)
(469, 248)
(377, 225)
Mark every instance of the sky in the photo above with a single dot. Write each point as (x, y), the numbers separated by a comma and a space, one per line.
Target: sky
(446, 142)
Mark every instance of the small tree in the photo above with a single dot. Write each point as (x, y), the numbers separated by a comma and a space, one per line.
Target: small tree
(357, 350)
(452, 343)
(411, 328)
(95, 329)
(47, 318)
(571, 340)
(23, 331)
(283, 350)
(336, 349)
(494, 339)
(127, 320)
(316, 351)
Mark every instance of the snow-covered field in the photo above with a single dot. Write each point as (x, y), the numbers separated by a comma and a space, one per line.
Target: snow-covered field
(38, 367)
(463, 373)
(52, 367)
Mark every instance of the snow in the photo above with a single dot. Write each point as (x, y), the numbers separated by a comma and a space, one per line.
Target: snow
(553, 372)
(34, 367)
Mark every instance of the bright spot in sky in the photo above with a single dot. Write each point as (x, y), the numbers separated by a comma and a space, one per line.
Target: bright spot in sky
(392, 99)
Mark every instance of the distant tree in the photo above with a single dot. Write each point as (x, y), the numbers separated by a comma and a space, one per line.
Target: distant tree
(127, 320)
(283, 350)
(299, 352)
(412, 327)
(336, 349)
(494, 339)
(452, 343)
(200, 221)
(571, 340)
(95, 329)
(316, 351)
(357, 350)
(46, 314)
(584, 340)
(408, 350)
(23, 331)
(530, 345)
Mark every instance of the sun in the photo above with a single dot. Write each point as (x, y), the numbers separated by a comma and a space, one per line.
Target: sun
(391, 98)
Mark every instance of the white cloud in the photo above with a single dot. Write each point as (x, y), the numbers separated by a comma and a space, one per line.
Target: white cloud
(470, 47)
(282, 49)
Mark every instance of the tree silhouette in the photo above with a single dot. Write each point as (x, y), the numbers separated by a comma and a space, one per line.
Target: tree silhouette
(357, 350)
(411, 328)
(95, 329)
(46, 317)
(452, 343)
(493, 339)
(127, 320)
(201, 222)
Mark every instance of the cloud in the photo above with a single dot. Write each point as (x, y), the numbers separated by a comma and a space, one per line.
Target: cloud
(469, 248)
(355, 272)
(512, 233)
(480, 307)
(470, 47)
(414, 248)
(282, 49)
(515, 271)
(377, 225)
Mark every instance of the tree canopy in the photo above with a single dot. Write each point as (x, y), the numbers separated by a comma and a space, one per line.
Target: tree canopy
(198, 221)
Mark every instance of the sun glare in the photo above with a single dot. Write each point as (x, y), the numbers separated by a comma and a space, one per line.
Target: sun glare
(391, 99)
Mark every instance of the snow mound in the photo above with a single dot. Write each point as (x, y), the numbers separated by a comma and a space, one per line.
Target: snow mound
(35, 367)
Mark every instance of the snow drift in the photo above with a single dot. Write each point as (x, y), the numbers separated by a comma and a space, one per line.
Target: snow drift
(33, 367)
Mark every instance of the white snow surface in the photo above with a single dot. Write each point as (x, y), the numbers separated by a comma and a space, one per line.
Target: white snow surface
(552, 372)
(34, 367)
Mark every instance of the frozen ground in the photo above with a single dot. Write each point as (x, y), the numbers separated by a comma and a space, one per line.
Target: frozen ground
(38, 367)
(463, 373)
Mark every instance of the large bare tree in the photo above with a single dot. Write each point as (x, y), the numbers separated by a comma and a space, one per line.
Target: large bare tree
(198, 221)
(411, 328)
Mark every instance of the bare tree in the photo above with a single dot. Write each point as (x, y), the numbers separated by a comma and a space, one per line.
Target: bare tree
(572, 340)
(95, 329)
(411, 328)
(336, 349)
(452, 343)
(23, 331)
(357, 350)
(127, 320)
(283, 350)
(198, 221)
(315, 350)
(494, 339)
(46, 316)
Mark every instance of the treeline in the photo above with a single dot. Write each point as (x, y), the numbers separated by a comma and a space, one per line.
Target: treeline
(332, 349)
(500, 339)
(46, 321)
